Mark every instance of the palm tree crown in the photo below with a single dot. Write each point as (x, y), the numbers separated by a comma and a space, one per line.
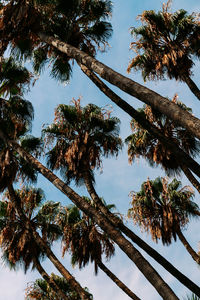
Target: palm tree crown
(85, 24)
(83, 238)
(40, 289)
(142, 143)
(163, 209)
(167, 45)
(82, 136)
(17, 241)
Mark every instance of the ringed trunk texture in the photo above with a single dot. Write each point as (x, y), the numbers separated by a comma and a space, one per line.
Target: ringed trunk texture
(192, 86)
(118, 282)
(72, 281)
(190, 250)
(143, 265)
(156, 101)
(138, 241)
(181, 155)
(50, 282)
(191, 178)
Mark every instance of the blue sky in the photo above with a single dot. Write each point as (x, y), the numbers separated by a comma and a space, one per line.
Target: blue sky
(118, 178)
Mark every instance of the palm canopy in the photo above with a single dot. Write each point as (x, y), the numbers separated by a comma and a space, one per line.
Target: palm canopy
(40, 289)
(167, 45)
(14, 79)
(85, 24)
(82, 135)
(83, 238)
(142, 143)
(15, 122)
(16, 239)
(16, 115)
(163, 208)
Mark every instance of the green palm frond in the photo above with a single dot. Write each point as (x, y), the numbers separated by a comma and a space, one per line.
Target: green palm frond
(163, 208)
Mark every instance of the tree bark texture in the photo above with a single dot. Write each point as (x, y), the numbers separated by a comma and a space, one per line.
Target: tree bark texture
(156, 101)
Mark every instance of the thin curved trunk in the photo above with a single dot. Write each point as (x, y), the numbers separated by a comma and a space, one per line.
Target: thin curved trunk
(116, 280)
(143, 265)
(169, 144)
(156, 101)
(49, 280)
(66, 274)
(190, 250)
(137, 240)
(191, 178)
(192, 86)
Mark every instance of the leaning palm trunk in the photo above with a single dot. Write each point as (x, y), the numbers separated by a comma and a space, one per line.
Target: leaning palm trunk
(190, 250)
(49, 280)
(42, 244)
(169, 144)
(192, 86)
(66, 274)
(129, 233)
(116, 280)
(191, 178)
(143, 265)
(156, 101)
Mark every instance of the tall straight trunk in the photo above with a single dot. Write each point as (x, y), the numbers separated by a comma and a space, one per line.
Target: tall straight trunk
(49, 280)
(191, 178)
(169, 144)
(136, 239)
(66, 274)
(143, 265)
(190, 250)
(156, 101)
(116, 280)
(192, 86)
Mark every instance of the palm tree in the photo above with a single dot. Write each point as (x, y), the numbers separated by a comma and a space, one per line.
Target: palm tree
(82, 136)
(119, 239)
(87, 242)
(20, 240)
(168, 44)
(143, 143)
(40, 289)
(145, 267)
(19, 20)
(16, 116)
(17, 241)
(164, 210)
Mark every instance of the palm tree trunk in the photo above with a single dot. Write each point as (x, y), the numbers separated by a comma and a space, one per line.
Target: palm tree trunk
(192, 86)
(137, 240)
(50, 282)
(191, 178)
(118, 282)
(169, 144)
(190, 250)
(66, 274)
(156, 101)
(143, 265)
